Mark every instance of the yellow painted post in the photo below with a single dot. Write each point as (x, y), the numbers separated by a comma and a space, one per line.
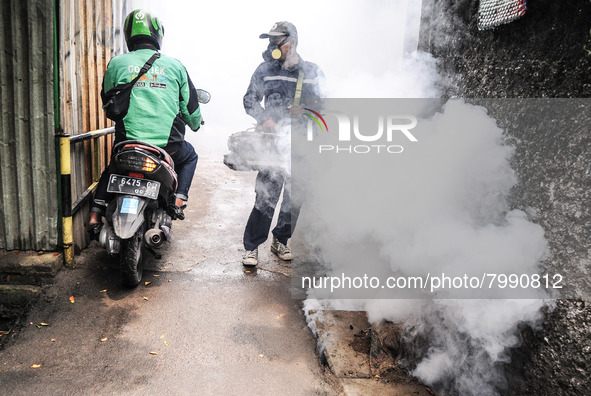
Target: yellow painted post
(65, 171)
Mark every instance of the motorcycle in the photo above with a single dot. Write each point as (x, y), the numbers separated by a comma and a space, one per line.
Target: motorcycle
(139, 217)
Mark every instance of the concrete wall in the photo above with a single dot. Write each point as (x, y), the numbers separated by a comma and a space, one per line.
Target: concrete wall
(545, 54)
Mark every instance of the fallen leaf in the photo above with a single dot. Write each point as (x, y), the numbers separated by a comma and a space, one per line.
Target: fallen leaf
(147, 283)
(162, 336)
(280, 316)
(104, 339)
(261, 356)
(3, 333)
(41, 252)
(43, 324)
(104, 291)
(55, 254)
(156, 275)
(36, 366)
(72, 300)
(146, 298)
(170, 280)
(153, 353)
(53, 340)
(165, 343)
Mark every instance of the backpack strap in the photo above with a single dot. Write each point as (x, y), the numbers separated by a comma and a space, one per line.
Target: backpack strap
(145, 67)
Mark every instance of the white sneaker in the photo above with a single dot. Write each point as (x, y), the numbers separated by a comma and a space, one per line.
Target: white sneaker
(251, 257)
(282, 251)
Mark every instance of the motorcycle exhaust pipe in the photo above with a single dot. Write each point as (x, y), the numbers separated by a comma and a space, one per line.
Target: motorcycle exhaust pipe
(154, 237)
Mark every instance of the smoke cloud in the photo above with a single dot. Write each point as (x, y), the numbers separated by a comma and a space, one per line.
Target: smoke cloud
(441, 206)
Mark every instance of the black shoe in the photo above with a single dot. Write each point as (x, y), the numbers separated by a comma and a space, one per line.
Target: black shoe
(178, 212)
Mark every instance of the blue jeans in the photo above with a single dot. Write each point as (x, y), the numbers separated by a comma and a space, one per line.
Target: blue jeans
(185, 162)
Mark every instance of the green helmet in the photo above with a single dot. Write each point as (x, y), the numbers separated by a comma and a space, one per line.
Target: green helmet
(140, 25)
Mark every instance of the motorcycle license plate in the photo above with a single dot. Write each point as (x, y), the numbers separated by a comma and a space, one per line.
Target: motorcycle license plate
(133, 186)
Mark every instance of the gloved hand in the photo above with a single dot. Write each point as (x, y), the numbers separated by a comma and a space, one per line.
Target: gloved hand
(269, 126)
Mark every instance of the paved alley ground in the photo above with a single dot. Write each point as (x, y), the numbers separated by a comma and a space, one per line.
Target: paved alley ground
(198, 324)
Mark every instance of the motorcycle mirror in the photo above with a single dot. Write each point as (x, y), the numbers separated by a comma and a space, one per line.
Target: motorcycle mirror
(203, 96)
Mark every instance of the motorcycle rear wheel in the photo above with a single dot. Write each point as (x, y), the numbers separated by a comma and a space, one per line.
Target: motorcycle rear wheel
(132, 258)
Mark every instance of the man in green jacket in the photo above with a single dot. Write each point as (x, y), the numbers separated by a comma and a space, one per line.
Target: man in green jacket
(162, 102)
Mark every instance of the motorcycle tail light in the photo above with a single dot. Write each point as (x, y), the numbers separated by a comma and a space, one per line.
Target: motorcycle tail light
(136, 174)
(149, 165)
(131, 160)
(135, 161)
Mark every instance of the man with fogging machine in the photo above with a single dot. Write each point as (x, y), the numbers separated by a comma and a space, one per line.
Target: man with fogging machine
(282, 81)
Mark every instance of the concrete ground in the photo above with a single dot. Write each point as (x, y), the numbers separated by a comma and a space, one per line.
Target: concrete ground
(197, 324)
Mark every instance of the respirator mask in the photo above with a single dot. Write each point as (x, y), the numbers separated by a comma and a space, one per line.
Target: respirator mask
(273, 52)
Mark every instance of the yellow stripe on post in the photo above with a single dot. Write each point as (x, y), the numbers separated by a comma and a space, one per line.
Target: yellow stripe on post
(65, 159)
(68, 240)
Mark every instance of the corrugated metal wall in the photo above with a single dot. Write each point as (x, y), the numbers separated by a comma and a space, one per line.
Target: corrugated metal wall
(28, 176)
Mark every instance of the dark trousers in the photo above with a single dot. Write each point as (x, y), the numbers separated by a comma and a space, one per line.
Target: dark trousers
(185, 162)
(268, 188)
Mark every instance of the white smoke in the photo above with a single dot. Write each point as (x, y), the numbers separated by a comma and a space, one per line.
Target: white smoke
(470, 338)
(449, 213)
